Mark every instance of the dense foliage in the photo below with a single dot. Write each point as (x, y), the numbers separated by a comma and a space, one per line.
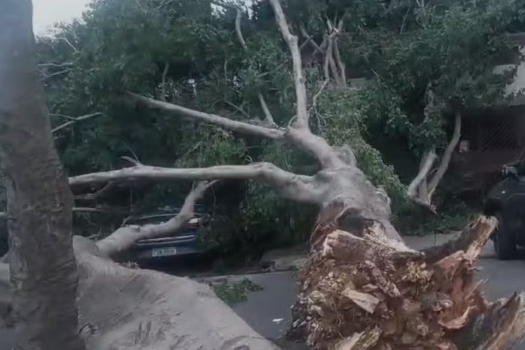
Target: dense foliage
(188, 52)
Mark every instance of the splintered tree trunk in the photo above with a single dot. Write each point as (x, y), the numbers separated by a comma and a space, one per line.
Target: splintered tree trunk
(364, 291)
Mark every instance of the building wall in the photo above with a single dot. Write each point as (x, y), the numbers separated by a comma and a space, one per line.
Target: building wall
(518, 86)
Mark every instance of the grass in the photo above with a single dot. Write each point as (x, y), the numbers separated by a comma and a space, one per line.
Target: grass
(235, 293)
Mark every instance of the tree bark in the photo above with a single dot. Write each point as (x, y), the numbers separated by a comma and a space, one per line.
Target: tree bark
(42, 264)
(447, 156)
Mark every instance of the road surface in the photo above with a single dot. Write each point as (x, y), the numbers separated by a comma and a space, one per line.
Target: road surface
(268, 311)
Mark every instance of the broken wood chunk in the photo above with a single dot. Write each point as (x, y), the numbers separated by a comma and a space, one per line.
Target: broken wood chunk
(366, 301)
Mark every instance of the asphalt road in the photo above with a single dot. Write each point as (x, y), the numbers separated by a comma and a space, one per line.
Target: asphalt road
(268, 311)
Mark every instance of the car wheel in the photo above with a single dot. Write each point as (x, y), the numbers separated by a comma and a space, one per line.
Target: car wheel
(504, 243)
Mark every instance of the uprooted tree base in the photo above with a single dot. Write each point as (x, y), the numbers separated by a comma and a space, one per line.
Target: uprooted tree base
(363, 291)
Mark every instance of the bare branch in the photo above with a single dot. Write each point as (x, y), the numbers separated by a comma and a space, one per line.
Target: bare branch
(61, 116)
(47, 76)
(267, 114)
(233, 125)
(76, 120)
(298, 187)
(189, 151)
(447, 155)
(326, 71)
(68, 43)
(340, 64)
(293, 46)
(238, 17)
(135, 161)
(428, 160)
(126, 236)
(5, 288)
(318, 94)
(66, 64)
(96, 195)
(163, 82)
(238, 108)
(331, 60)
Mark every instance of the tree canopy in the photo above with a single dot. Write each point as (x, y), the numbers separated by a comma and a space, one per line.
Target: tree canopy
(422, 61)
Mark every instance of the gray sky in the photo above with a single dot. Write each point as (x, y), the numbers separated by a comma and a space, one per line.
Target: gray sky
(48, 12)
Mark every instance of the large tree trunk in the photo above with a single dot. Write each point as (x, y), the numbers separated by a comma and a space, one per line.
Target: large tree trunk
(131, 309)
(42, 264)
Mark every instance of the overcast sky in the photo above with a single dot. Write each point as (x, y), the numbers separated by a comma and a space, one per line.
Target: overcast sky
(48, 12)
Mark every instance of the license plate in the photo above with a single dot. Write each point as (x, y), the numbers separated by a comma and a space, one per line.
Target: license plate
(159, 252)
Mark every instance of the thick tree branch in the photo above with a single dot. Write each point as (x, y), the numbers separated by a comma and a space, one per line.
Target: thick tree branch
(426, 164)
(126, 236)
(238, 30)
(163, 82)
(447, 155)
(300, 81)
(233, 125)
(316, 146)
(75, 120)
(267, 114)
(340, 64)
(297, 187)
(333, 66)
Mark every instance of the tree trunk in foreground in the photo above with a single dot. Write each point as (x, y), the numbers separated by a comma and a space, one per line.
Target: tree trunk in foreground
(42, 264)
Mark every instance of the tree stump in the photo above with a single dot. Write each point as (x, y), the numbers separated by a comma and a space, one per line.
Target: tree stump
(363, 291)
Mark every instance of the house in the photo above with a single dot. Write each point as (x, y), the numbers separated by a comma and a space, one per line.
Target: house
(494, 137)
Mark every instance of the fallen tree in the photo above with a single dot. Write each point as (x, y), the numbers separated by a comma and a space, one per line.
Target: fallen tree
(362, 289)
